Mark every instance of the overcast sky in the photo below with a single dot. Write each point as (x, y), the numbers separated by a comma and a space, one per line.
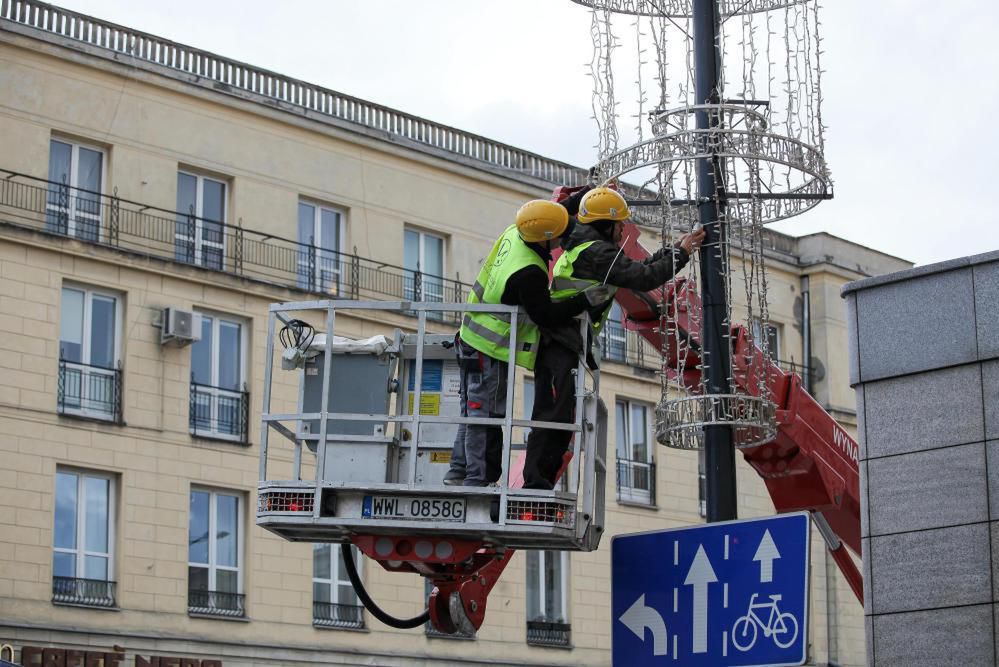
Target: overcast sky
(911, 91)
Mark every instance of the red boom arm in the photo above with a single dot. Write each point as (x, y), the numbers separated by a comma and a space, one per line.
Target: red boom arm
(811, 464)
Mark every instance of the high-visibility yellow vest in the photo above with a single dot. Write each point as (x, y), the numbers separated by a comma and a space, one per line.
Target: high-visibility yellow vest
(489, 333)
(565, 285)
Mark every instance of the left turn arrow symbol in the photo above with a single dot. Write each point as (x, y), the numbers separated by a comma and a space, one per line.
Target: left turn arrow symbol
(638, 617)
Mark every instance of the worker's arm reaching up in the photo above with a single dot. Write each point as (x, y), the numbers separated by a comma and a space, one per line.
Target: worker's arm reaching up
(605, 262)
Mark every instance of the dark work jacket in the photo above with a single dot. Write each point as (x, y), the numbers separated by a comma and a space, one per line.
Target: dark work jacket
(602, 259)
(528, 288)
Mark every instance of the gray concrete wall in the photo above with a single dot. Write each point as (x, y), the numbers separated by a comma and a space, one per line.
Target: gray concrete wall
(924, 360)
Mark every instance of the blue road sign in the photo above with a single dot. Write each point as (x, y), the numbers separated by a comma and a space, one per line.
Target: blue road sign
(719, 595)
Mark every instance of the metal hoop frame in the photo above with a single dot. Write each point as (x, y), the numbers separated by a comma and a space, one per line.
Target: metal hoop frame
(748, 145)
(680, 421)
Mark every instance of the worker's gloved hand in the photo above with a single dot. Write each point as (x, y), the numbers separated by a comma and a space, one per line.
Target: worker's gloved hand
(691, 241)
(597, 295)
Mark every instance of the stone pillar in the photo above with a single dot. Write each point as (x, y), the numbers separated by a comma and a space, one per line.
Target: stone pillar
(924, 360)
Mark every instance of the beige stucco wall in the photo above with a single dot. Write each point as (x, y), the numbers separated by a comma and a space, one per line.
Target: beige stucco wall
(149, 133)
(149, 129)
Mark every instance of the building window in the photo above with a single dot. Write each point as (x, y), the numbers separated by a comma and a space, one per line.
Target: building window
(614, 336)
(219, 400)
(320, 265)
(547, 611)
(772, 337)
(528, 404)
(73, 205)
(199, 233)
(429, 629)
(334, 602)
(702, 489)
(424, 263)
(83, 539)
(214, 554)
(89, 383)
(636, 472)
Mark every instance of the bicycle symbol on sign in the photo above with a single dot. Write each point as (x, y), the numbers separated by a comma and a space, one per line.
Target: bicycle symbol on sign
(781, 627)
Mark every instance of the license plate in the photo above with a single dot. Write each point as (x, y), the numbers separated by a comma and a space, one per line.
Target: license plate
(418, 508)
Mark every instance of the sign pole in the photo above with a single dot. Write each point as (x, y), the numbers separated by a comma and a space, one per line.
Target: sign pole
(719, 452)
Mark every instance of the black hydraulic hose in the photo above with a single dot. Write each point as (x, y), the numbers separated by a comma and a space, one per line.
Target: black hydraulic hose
(369, 604)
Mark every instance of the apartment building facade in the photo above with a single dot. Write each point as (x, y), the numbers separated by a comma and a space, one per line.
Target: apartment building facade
(141, 180)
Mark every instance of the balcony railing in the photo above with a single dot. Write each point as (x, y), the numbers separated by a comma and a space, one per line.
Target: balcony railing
(89, 391)
(216, 603)
(219, 413)
(623, 346)
(544, 633)
(182, 237)
(85, 592)
(636, 481)
(336, 615)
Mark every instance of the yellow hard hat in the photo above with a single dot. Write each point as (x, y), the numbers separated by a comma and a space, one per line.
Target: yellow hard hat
(602, 204)
(541, 220)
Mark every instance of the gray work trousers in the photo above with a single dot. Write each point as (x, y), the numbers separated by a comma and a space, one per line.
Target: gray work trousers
(478, 450)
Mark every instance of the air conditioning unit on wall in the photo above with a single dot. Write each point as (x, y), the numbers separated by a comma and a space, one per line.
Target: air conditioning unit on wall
(181, 327)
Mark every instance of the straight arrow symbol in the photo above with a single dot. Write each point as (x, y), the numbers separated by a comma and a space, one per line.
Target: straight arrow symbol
(699, 576)
(766, 554)
(639, 616)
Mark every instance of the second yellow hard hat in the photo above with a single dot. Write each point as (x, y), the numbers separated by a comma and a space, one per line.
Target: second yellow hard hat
(603, 204)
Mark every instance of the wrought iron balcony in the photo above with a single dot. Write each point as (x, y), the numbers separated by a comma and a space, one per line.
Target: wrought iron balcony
(336, 615)
(179, 236)
(216, 603)
(91, 392)
(546, 633)
(219, 413)
(84, 592)
(636, 481)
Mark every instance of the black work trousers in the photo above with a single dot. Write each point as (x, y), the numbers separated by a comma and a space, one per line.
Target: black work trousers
(554, 401)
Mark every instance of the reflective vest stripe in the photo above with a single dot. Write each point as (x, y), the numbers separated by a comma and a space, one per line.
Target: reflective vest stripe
(559, 284)
(565, 285)
(491, 336)
(489, 333)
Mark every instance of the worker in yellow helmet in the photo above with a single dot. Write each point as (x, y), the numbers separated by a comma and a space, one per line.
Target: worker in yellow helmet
(592, 261)
(516, 274)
